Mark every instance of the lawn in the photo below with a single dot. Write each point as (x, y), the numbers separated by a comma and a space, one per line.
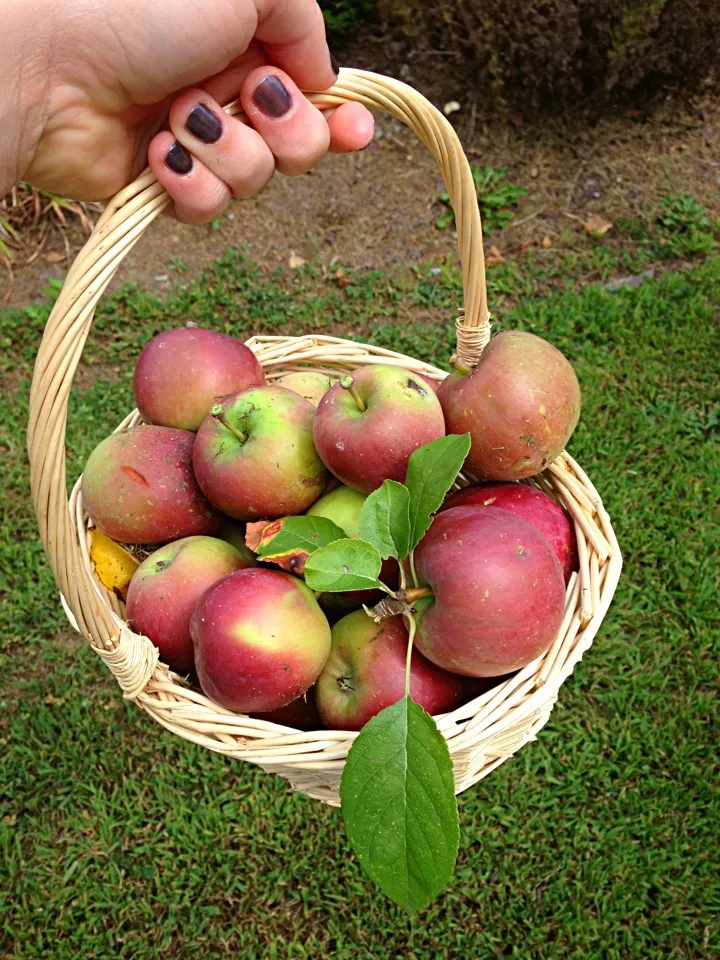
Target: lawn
(597, 841)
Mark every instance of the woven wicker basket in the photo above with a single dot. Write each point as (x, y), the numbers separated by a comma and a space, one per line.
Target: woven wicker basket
(480, 734)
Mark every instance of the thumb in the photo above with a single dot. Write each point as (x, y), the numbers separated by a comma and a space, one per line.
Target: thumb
(293, 34)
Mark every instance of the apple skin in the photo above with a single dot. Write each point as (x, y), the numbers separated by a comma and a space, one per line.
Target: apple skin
(260, 638)
(343, 505)
(166, 587)
(446, 385)
(365, 673)
(138, 486)
(520, 405)
(301, 714)
(181, 372)
(499, 592)
(532, 505)
(311, 386)
(363, 448)
(433, 384)
(276, 472)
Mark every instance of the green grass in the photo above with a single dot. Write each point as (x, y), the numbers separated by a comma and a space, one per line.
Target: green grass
(598, 841)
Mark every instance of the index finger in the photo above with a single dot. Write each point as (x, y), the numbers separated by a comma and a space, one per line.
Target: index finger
(293, 34)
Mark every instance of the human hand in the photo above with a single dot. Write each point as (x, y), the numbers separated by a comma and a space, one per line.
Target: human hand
(109, 97)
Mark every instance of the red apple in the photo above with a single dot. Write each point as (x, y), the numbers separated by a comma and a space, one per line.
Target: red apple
(138, 486)
(166, 587)
(446, 386)
(365, 673)
(520, 405)
(260, 640)
(367, 426)
(497, 592)
(301, 714)
(254, 456)
(532, 505)
(182, 372)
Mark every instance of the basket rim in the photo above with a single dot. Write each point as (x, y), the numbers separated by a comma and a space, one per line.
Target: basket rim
(502, 719)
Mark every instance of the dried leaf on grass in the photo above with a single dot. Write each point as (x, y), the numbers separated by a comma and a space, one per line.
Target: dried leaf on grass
(494, 257)
(597, 225)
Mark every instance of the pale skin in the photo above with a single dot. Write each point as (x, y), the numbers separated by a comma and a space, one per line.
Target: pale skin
(93, 90)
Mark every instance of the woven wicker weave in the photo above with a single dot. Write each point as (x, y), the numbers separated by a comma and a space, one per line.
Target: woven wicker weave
(480, 734)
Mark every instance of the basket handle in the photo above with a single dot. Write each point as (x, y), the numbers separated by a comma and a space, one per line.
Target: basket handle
(121, 225)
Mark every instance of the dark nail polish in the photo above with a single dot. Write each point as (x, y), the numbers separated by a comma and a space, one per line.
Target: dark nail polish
(334, 65)
(272, 97)
(178, 159)
(203, 124)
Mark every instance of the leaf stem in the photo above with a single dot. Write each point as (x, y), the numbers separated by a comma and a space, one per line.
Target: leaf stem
(347, 383)
(412, 568)
(218, 412)
(411, 636)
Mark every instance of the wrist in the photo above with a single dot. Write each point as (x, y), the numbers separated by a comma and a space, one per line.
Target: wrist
(25, 70)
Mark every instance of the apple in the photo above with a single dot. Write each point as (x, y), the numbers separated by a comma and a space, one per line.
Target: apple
(254, 456)
(261, 640)
(494, 588)
(433, 384)
(138, 486)
(181, 373)
(343, 505)
(520, 405)
(365, 673)
(166, 587)
(446, 385)
(532, 505)
(312, 386)
(301, 714)
(367, 426)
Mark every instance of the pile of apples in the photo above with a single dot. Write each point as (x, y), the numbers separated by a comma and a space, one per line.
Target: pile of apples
(222, 454)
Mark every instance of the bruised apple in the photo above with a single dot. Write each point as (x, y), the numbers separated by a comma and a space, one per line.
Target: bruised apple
(138, 486)
(494, 590)
(520, 405)
(531, 504)
(260, 638)
(365, 673)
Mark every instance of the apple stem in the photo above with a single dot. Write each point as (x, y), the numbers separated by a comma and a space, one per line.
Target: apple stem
(416, 593)
(347, 383)
(217, 411)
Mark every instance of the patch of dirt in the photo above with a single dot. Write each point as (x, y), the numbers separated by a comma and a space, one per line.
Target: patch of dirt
(379, 207)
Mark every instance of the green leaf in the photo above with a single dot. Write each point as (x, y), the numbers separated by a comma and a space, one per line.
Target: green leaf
(344, 565)
(398, 804)
(431, 472)
(385, 520)
(300, 533)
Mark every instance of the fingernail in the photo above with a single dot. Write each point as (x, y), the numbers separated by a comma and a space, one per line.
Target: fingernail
(203, 124)
(334, 65)
(272, 97)
(178, 159)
